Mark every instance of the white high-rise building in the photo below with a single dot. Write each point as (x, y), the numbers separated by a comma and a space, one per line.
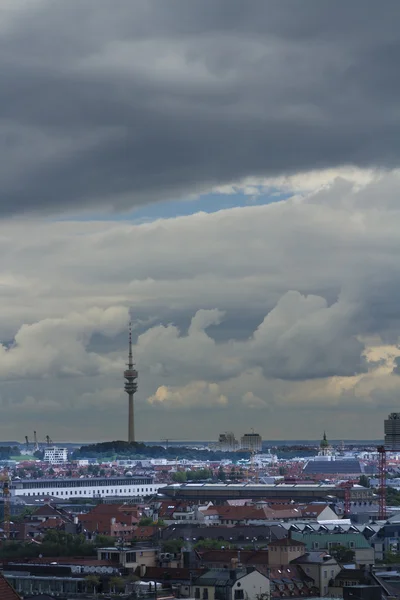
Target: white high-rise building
(56, 456)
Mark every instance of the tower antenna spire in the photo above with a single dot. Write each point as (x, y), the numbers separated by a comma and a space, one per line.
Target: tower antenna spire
(130, 357)
(130, 374)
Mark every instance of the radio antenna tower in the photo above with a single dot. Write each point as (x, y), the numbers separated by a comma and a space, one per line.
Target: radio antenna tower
(130, 375)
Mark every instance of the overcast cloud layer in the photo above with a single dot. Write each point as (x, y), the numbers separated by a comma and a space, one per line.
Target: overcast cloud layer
(117, 104)
(281, 316)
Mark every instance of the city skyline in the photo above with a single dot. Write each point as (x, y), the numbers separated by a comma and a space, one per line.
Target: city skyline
(226, 178)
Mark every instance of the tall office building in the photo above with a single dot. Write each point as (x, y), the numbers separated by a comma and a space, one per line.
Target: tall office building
(392, 432)
(251, 441)
(227, 442)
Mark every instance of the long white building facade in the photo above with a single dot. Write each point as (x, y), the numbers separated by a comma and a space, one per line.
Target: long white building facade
(98, 487)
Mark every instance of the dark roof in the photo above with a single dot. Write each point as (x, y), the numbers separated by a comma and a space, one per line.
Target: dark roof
(351, 574)
(333, 467)
(286, 542)
(6, 591)
(169, 573)
(226, 577)
(314, 558)
(247, 557)
(40, 597)
(238, 533)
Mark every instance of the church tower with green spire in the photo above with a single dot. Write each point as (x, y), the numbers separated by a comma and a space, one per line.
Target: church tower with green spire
(324, 446)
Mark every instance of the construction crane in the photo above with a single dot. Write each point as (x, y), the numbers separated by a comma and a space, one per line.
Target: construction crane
(36, 445)
(347, 485)
(48, 440)
(5, 479)
(382, 482)
(27, 442)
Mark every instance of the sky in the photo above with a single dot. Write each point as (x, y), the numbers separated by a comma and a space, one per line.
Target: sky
(226, 175)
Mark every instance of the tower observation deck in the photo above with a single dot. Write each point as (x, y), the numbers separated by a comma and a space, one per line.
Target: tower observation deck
(131, 375)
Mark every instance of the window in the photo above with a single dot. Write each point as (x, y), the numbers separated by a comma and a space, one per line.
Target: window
(239, 595)
(205, 594)
(325, 574)
(352, 544)
(197, 593)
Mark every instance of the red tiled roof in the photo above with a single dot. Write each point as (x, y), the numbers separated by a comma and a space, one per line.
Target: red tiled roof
(6, 591)
(51, 523)
(315, 509)
(45, 510)
(145, 531)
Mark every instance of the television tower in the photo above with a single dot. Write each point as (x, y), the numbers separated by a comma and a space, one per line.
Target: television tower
(130, 375)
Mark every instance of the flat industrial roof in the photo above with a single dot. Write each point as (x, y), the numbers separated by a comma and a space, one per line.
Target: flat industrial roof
(73, 479)
(258, 486)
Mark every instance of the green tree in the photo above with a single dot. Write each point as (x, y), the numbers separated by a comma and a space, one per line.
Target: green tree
(145, 521)
(392, 558)
(343, 554)
(221, 474)
(92, 582)
(172, 546)
(392, 496)
(364, 481)
(104, 540)
(179, 477)
(117, 584)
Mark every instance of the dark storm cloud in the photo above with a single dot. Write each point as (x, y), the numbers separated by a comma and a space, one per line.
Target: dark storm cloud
(131, 102)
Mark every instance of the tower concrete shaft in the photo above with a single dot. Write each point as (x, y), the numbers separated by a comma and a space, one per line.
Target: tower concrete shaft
(131, 375)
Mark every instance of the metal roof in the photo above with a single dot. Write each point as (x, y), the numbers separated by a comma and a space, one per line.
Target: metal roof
(323, 539)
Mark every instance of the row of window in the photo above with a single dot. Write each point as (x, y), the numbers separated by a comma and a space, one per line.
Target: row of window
(26, 485)
(286, 548)
(99, 492)
(332, 545)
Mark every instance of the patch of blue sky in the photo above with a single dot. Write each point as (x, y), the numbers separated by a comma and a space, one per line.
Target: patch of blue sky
(207, 203)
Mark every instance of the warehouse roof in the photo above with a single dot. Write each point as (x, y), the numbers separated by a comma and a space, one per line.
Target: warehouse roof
(341, 467)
